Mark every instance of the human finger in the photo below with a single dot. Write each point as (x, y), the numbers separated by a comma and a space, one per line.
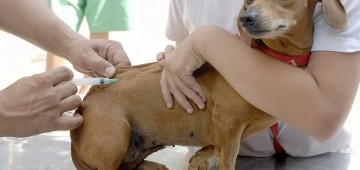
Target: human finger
(58, 75)
(160, 56)
(161, 63)
(179, 95)
(66, 122)
(192, 82)
(168, 49)
(66, 89)
(70, 103)
(166, 91)
(100, 66)
(192, 90)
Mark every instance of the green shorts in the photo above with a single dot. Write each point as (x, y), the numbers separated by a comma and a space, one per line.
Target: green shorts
(101, 15)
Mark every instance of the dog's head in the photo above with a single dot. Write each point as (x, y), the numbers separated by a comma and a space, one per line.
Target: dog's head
(281, 18)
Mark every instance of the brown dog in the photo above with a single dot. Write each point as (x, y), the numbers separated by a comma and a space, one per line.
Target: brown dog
(127, 121)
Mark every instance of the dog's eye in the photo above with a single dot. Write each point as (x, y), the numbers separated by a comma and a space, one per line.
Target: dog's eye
(248, 2)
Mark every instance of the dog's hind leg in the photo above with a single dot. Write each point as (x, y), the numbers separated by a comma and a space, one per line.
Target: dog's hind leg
(103, 147)
(80, 165)
(199, 160)
(113, 147)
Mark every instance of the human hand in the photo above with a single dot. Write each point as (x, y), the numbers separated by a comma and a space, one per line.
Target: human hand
(160, 57)
(96, 58)
(34, 105)
(177, 79)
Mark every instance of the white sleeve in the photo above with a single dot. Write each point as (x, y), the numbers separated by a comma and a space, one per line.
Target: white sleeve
(327, 38)
(175, 29)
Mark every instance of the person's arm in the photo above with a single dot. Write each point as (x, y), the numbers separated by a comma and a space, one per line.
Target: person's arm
(317, 100)
(34, 22)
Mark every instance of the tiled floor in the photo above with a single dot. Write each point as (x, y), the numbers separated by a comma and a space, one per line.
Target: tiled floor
(51, 151)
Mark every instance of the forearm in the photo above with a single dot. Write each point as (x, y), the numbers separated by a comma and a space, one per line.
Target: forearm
(34, 22)
(312, 100)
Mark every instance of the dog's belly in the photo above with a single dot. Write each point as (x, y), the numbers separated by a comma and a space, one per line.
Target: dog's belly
(174, 127)
(187, 130)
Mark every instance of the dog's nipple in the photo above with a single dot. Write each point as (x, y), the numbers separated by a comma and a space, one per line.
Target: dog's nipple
(191, 134)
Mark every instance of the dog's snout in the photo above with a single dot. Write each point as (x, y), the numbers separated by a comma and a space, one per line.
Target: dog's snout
(249, 17)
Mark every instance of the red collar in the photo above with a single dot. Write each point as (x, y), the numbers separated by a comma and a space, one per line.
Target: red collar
(296, 60)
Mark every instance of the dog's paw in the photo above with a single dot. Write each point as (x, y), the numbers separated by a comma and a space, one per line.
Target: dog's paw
(148, 165)
(203, 166)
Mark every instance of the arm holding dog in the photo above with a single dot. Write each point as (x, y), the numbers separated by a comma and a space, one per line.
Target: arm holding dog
(316, 101)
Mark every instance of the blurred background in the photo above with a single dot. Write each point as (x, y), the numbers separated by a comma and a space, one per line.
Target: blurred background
(142, 42)
(19, 58)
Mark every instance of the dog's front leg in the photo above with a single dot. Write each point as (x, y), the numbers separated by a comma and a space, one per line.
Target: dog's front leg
(199, 160)
(227, 148)
(227, 138)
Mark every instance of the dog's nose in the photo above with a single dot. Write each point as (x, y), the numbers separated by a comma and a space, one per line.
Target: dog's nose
(249, 17)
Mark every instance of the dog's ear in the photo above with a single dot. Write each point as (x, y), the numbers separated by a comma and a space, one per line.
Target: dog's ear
(334, 13)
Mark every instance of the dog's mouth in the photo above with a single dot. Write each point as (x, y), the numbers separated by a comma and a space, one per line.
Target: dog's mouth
(266, 28)
(256, 31)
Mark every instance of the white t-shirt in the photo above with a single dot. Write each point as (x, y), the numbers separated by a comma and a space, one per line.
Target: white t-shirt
(327, 38)
(187, 15)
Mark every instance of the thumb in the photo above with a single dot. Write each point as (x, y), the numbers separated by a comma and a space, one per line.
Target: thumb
(101, 67)
(161, 63)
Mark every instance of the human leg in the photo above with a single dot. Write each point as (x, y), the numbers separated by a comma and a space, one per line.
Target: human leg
(108, 15)
(71, 12)
(53, 61)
